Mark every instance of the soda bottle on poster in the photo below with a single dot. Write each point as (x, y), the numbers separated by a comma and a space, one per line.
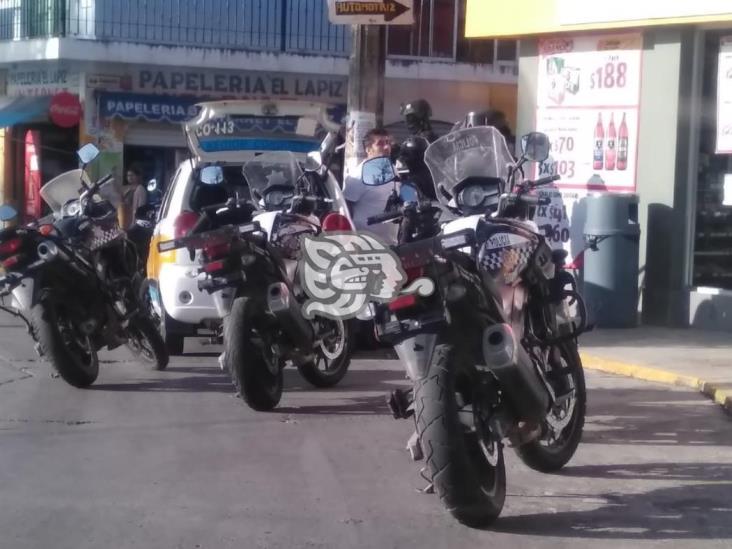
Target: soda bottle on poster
(610, 144)
(599, 142)
(622, 163)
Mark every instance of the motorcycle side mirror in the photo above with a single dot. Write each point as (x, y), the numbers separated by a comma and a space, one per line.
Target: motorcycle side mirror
(7, 212)
(313, 161)
(152, 185)
(378, 171)
(87, 153)
(535, 146)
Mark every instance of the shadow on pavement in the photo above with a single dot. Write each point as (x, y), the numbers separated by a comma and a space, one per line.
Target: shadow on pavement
(700, 511)
(654, 417)
(190, 384)
(699, 472)
(361, 405)
(355, 380)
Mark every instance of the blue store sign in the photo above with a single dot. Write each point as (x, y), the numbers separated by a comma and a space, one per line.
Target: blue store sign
(153, 108)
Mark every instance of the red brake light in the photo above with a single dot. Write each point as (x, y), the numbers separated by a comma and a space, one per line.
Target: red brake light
(214, 266)
(336, 222)
(184, 223)
(46, 230)
(402, 302)
(11, 262)
(11, 246)
(213, 251)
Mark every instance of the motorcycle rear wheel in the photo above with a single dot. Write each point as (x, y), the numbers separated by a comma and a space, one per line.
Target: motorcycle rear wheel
(147, 344)
(255, 372)
(471, 488)
(76, 362)
(334, 355)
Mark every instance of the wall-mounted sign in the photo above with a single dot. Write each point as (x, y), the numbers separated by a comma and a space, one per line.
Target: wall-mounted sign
(109, 82)
(153, 108)
(724, 97)
(365, 12)
(47, 80)
(587, 103)
(225, 84)
(65, 110)
(579, 12)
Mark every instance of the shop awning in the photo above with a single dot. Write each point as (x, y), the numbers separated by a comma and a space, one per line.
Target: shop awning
(16, 110)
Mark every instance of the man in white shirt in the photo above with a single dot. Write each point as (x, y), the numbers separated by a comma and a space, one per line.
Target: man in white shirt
(365, 200)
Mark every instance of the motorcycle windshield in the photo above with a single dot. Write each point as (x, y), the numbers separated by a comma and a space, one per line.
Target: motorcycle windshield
(276, 168)
(472, 152)
(63, 188)
(67, 186)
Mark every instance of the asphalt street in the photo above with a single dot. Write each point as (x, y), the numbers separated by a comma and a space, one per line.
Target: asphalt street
(171, 459)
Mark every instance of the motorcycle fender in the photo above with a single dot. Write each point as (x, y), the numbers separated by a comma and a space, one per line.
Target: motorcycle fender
(416, 354)
(24, 294)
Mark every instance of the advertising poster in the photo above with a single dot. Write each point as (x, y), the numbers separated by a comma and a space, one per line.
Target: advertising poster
(587, 103)
(724, 97)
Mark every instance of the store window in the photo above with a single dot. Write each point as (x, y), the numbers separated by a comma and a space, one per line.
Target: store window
(433, 32)
(713, 235)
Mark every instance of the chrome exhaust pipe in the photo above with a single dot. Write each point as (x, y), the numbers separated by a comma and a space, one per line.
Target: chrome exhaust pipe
(286, 309)
(506, 358)
(47, 251)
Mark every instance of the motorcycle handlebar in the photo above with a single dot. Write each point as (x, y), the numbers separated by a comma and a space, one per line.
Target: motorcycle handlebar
(383, 217)
(545, 180)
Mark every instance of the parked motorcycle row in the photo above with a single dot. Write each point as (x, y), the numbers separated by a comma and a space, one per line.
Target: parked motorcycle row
(491, 352)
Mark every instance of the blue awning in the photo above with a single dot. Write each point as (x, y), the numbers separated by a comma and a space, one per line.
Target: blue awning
(15, 110)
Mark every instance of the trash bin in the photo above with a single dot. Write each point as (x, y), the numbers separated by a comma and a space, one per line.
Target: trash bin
(610, 279)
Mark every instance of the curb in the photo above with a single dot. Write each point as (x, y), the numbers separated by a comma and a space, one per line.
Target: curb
(717, 393)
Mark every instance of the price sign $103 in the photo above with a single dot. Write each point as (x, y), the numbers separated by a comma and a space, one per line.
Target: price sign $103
(561, 147)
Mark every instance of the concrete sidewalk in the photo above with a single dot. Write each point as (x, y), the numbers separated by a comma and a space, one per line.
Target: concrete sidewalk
(697, 359)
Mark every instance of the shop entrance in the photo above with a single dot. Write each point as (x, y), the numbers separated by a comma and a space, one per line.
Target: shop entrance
(158, 163)
(713, 231)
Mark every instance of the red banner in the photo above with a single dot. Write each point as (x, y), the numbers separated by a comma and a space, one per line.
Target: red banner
(32, 178)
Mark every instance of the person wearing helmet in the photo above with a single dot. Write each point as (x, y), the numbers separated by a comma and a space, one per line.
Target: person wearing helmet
(488, 117)
(411, 157)
(417, 116)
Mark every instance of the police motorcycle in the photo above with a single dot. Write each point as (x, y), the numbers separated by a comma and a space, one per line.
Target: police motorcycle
(74, 278)
(252, 244)
(492, 352)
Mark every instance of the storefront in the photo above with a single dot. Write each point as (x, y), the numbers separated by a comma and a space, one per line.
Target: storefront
(40, 114)
(637, 100)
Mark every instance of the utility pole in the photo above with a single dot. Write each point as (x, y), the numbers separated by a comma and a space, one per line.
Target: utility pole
(365, 89)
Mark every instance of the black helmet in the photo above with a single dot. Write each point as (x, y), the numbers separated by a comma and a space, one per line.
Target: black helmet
(417, 115)
(484, 118)
(419, 108)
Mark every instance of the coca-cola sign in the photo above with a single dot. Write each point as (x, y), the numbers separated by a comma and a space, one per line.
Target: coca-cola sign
(65, 110)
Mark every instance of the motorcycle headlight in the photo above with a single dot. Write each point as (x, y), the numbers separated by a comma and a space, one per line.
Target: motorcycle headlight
(71, 208)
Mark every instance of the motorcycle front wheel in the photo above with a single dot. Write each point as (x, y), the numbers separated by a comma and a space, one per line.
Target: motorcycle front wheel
(332, 356)
(255, 370)
(468, 474)
(562, 430)
(71, 354)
